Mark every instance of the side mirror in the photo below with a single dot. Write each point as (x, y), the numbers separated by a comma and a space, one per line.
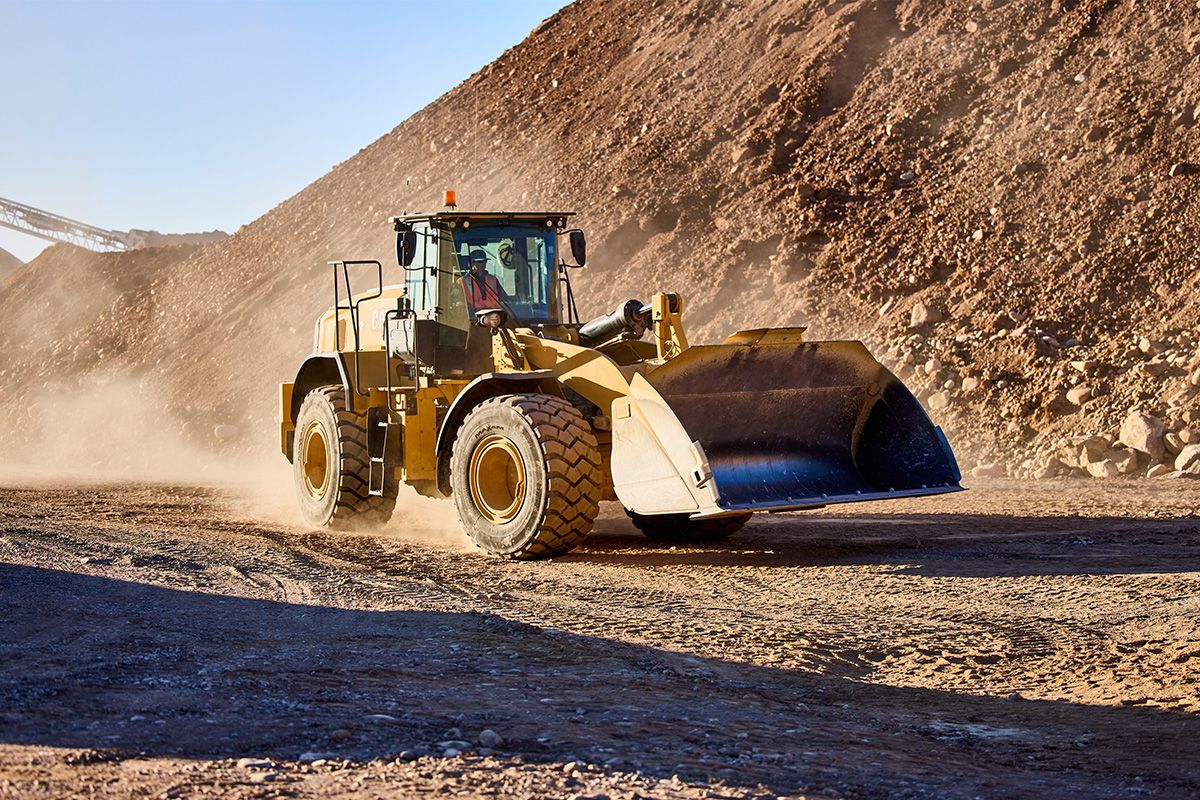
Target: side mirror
(406, 247)
(578, 247)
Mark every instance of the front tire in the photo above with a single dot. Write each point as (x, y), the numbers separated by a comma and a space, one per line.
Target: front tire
(525, 475)
(331, 466)
(679, 528)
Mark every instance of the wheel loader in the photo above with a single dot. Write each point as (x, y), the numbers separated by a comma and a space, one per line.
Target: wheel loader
(474, 378)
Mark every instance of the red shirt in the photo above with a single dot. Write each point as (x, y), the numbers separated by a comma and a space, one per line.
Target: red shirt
(482, 291)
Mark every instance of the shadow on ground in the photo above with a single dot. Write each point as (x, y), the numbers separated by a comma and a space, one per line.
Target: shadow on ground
(91, 662)
(958, 545)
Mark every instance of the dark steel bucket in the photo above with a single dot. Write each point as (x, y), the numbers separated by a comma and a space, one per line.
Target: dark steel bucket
(804, 424)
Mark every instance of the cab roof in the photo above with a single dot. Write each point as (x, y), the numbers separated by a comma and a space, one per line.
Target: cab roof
(452, 218)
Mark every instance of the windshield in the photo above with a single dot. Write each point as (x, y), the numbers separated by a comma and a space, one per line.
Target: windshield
(510, 267)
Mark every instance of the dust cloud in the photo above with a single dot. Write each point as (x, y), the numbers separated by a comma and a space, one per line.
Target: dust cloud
(113, 427)
(109, 426)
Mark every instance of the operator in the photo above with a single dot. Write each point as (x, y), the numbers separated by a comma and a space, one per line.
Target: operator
(510, 259)
(482, 288)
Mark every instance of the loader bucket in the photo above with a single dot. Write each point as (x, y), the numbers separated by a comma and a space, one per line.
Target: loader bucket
(798, 425)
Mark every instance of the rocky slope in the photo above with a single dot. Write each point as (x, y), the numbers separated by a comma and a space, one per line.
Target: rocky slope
(1000, 197)
(8, 263)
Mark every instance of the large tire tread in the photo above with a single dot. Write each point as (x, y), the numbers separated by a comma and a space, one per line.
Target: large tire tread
(355, 506)
(571, 458)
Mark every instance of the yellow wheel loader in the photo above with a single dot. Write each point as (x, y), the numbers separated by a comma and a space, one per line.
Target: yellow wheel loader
(475, 379)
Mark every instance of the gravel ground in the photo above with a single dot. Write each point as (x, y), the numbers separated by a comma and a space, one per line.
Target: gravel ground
(174, 641)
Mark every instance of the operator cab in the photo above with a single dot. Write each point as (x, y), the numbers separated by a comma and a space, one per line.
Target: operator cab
(458, 264)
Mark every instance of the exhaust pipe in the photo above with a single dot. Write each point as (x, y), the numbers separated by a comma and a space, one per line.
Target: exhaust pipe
(629, 317)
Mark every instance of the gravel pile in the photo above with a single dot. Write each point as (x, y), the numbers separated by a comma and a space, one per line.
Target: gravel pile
(1001, 198)
(8, 264)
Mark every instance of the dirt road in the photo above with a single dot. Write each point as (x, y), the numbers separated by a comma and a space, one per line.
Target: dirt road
(1007, 641)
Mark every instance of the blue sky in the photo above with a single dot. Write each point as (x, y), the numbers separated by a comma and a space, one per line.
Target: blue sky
(185, 116)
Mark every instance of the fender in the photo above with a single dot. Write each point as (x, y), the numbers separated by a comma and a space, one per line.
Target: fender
(316, 371)
(320, 370)
(486, 386)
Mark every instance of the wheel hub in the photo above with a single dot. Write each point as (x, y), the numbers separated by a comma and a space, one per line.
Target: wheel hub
(497, 479)
(314, 460)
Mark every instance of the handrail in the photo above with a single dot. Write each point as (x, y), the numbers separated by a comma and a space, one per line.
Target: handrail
(352, 307)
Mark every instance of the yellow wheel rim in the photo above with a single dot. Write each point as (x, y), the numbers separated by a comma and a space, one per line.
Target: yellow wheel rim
(314, 460)
(497, 479)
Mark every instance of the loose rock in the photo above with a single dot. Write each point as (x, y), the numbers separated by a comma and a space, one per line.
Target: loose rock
(1091, 450)
(1144, 432)
(1079, 395)
(1103, 469)
(989, 471)
(1188, 457)
(922, 315)
(489, 738)
(1125, 461)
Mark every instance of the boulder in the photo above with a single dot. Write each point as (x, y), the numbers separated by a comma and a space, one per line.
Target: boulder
(742, 153)
(1103, 469)
(1126, 461)
(489, 738)
(1155, 369)
(938, 401)
(1067, 456)
(1075, 453)
(1188, 457)
(1091, 450)
(1144, 432)
(1079, 395)
(922, 315)
(1157, 471)
(989, 471)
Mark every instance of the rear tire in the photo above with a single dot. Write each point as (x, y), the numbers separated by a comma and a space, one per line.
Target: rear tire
(331, 466)
(679, 528)
(525, 475)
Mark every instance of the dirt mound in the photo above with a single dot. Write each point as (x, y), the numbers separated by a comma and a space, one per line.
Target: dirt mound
(142, 238)
(79, 388)
(997, 197)
(8, 263)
